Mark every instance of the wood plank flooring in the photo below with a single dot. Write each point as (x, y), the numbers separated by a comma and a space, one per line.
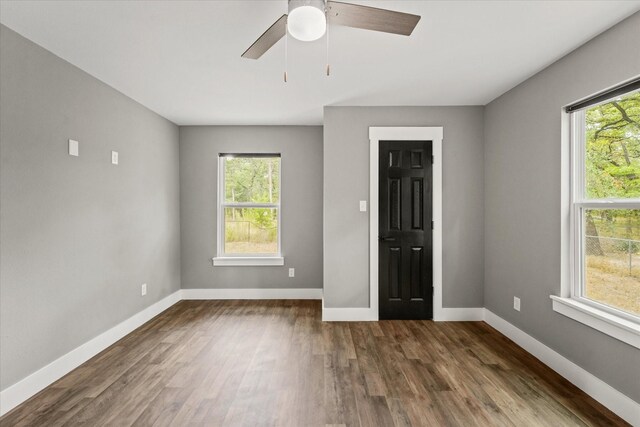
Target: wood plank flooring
(272, 363)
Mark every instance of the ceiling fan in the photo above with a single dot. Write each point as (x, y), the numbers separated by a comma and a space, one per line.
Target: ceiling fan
(307, 21)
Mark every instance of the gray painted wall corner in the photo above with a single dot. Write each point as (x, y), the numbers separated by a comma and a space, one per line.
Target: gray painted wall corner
(301, 149)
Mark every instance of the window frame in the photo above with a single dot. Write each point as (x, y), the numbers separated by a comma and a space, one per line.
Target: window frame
(249, 259)
(579, 203)
(572, 303)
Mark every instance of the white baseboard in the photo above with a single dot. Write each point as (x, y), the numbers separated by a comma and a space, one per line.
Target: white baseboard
(625, 407)
(366, 314)
(356, 314)
(470, 314)
(349, 314)
(19, 392)
(278, 293)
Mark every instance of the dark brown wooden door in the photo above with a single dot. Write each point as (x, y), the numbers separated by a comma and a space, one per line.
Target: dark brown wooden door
(405, 277)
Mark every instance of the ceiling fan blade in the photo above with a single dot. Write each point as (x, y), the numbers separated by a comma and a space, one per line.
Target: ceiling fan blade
(371, 18)
(267, 39)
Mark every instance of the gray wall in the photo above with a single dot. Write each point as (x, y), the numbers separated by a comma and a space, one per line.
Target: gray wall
(78, 235)
(346, 172)
(301, 149)
(523, 202)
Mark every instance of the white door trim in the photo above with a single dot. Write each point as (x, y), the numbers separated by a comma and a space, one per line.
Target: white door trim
(377, 134)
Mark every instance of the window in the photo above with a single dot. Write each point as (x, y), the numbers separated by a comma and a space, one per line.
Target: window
(606, 204)
(249, 210)
(605, 211)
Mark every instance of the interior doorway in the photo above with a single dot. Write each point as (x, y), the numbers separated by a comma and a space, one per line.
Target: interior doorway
(405, 186)
(377, 137)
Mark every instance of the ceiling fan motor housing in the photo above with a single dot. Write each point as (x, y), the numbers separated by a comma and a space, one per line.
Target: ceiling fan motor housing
(307, 20)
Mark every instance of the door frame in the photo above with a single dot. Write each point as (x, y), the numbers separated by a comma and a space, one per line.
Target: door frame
(377, 134)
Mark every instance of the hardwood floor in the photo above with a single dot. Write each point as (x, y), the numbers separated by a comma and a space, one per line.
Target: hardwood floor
(275, 363)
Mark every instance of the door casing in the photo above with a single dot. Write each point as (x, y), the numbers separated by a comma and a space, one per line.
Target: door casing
(377, 134)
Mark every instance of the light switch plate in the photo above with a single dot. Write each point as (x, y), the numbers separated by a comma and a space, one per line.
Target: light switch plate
(516, 303)
(114, 157)
(73, 148)
(143, 289)
(363, 205)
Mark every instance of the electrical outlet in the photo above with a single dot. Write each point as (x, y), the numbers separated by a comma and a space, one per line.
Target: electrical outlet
(516, 303)
(292, 272)
(363, 205)
(143, 289)
(114, 157)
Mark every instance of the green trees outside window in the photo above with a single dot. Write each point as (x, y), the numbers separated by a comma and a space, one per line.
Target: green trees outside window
(251, 205)
(612, 172)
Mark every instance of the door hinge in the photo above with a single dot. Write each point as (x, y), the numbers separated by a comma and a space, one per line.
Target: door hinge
(432, 225)
(431, 159)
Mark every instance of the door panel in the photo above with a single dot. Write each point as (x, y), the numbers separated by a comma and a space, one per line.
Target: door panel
(416, 159)
(394, 158)
(395, 204)
(395, 273)
(417, 260)
(416, 204)
(405, 240)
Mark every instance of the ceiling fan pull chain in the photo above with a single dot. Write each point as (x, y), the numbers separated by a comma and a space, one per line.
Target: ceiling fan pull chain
(326, 14)
(286, 45)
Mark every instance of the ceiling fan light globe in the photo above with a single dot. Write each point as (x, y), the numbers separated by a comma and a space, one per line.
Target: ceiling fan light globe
(307, 22)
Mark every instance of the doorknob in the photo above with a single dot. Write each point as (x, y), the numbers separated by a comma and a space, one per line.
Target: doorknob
(386, 239)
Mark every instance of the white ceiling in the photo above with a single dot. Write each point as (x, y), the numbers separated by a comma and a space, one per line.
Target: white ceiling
(182, 58)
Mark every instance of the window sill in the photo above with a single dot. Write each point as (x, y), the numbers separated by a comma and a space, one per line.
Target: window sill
(247, 261)
(607, 323)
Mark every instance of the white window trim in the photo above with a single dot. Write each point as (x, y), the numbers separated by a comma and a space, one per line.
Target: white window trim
(608, 320)
(601, 320)
(228, 260)
(258, 261)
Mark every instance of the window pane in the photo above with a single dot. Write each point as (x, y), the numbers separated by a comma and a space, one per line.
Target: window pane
(250, 231)
(613, 148)
(612, 251)
(252, 179)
